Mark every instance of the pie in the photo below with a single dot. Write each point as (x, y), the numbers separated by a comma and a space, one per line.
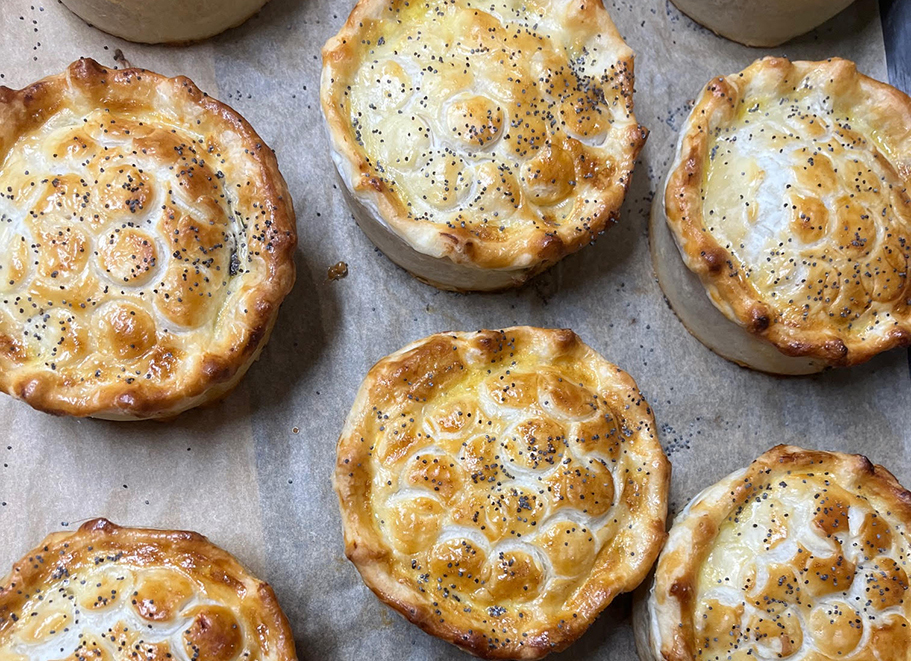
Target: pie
(789, 204)
(481, 142)
(767, 23)
(146, 244)
(801, 555)
(164, 21)
(500, 488)
(106, 593)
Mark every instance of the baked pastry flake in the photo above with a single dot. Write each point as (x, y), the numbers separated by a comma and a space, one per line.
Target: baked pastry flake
(106, 593)
(500, 488)
(802, 555)
(146, 244)
(481, 143)
(789, 199)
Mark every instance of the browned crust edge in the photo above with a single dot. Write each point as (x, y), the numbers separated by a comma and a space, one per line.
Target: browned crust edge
(716, 266)
(39, 566)
(226, 366)
(459, 244)
(367, 552)
(676, 572)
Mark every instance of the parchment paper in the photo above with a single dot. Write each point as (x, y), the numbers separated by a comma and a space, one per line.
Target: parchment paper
(253, 472)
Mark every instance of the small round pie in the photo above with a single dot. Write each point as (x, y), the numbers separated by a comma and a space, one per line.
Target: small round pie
(802, 555)
(500, 488)
(789, 204)
(480, 143)
(106, 593)
(761, 22)
(146, 244)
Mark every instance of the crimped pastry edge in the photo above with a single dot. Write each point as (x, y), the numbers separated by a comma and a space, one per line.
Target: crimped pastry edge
(713, 503)
(222, 371)
(686, 296)
(706, 258)
(437, 256)
(367, 557)
(27, 573)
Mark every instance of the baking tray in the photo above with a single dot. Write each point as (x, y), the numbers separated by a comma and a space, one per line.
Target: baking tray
(253, 472)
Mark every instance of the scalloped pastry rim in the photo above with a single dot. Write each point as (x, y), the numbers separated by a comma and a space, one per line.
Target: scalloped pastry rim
(224, 368)
(852, 469)
(703, 255)
(478, 259)
(368, 558)
(27, 574)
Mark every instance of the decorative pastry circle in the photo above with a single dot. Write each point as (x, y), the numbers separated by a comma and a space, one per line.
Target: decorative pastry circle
(164, 21)
(108, 593)
(481, 143)
(146, 243)
(802, 555)
(766, 23)
(500, 488)
(789, 199)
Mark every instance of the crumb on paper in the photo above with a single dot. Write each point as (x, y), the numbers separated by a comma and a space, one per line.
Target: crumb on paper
(121, 59)
(338, 271)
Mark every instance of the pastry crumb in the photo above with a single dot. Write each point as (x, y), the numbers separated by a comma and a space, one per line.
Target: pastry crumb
(338, 271)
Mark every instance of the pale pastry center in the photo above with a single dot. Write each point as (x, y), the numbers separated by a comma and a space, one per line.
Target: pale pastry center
(500, 492)
(799, 572)
(485, 115)
(809, 204)
(121, 243)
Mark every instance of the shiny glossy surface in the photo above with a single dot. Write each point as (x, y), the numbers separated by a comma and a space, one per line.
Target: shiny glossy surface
(141, 233)
(500, 488)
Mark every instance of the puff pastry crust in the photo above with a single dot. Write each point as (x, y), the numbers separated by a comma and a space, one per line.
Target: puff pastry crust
(106, 593)
(146, 243)
(789, 199)
(479, 142)
(500, 488)
(802, 555)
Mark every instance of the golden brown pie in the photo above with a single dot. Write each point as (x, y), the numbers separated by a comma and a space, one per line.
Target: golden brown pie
(480, 143)
(106, 593)
(789, 204)
(766, 23)
(146, 243)
(500, 488)
(803, 555)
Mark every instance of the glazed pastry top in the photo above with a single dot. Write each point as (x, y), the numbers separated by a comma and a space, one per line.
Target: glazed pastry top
(146, 242)
(497, 133)
(500, 488)
(107, 593)
(790, 199)
(803, 555)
